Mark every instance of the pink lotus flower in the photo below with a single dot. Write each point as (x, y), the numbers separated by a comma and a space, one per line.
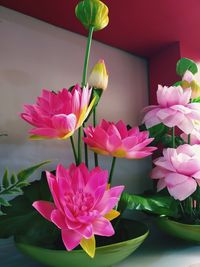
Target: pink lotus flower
(115, 140)
(173, 109)
(83, 205)
(58, 115)
(178, 170)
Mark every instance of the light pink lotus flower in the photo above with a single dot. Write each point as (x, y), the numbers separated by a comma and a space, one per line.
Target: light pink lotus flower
(173, 109)
(178, 170)
(83, 205)
(58, 115)
(116, 140)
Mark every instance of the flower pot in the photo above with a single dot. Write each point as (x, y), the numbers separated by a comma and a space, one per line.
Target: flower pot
(105, 256)
(184, 231)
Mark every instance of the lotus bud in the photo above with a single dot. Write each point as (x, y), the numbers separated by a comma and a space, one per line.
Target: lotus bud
(99, 77)
(92, 13)
(188, 81)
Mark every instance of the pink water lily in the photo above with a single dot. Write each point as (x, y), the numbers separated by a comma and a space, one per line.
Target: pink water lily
(173, 109)
(178, 170)
(58, 115)
(83, 205)
(116, 140)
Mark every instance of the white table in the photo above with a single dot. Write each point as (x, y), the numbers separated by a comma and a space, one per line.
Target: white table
(159, 250)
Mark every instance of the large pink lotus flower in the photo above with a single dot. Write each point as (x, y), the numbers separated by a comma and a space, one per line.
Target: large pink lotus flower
(173, 109)
(116, 140)
(58, 115)
(83, 205)
(178, 170)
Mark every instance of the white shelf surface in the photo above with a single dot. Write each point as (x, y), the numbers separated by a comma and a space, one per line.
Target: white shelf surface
(158, 250)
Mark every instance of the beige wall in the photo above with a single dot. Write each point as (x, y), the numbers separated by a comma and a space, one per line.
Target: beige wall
(36, 55)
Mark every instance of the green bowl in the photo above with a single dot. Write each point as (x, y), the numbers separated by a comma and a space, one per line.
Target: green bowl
(187, 232)
(105, 256)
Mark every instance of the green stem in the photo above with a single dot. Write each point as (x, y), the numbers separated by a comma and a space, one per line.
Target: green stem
(173, 137)
(86, 150)
(94, 124)
(80, 130)
(112, 170)
(74, 149)
(84, 78)
(87, 55)
(189, 139)
(182, 209)
(5, 191)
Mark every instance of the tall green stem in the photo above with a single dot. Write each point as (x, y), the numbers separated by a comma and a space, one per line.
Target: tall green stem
(94, 124)
(173, 137)
(87, 55)
(84, 78)
(189, 139)
(86, 150)
(112, 170)
(74, 149)
(80, 130)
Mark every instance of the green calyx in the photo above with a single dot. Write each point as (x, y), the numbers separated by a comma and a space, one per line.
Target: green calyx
(92, 13)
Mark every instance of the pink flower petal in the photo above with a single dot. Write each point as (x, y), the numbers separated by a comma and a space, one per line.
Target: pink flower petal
(122, 129)
(161, 184)
(186, 126)
(71, 239)
(44, 132)
(64, 123)
(159, 173)
(86, 231)
(58, 219)
(109, 200)
(53, 186)
(103, 227)
(114, 142)
(161, 162)
(183, 190)
(196, 175)
(173, 179)
(45, 208)
(151, 119)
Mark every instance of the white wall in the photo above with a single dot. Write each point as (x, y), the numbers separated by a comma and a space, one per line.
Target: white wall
(36, 55)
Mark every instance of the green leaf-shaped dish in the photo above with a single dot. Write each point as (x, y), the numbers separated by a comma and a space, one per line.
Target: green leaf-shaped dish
(105, 256)
(184, 231)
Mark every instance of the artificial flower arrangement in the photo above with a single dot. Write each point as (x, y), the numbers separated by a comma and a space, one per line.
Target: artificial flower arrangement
(72, 205)
(175, 121)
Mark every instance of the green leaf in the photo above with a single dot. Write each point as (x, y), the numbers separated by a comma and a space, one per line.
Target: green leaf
(156, 204)
(23, 184)
(5, 179)
(185, 64)
(97, 93)
(15, 190)
(177, 83)
(166, 140)
(24, 223)
(4, 202)
(24, 174)
(1, 213)
(13, 179)
(155, 132)
(196, 100)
